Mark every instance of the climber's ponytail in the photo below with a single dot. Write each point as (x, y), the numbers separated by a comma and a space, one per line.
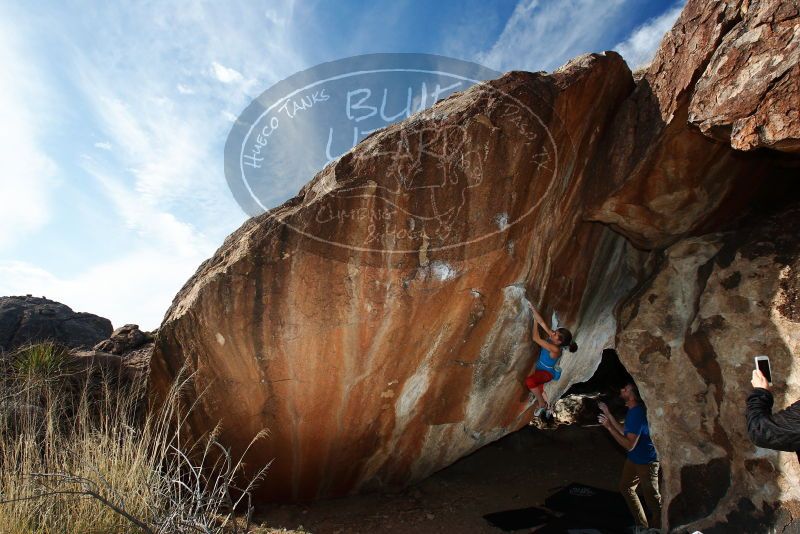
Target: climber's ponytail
(566, 337)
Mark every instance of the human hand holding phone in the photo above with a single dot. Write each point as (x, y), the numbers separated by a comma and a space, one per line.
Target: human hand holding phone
(759, 380)
(762, 375)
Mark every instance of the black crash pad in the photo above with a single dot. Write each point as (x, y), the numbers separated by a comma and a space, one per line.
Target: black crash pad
(585, 509)
(511, 520)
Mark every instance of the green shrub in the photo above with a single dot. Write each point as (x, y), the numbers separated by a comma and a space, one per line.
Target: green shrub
(39, 360)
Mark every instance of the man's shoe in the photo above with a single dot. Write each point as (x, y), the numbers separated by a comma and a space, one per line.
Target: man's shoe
(540, 412)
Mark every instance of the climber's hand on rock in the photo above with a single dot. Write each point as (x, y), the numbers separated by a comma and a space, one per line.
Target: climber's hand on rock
(603, 408)
(603, 420)
(759, 380)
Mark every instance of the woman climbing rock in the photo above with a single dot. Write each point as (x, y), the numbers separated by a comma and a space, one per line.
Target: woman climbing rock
(547, 368)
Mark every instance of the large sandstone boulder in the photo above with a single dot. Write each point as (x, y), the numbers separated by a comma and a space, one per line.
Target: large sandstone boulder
(376, 325)
(690, 336)
(373, 367)
(30, 319)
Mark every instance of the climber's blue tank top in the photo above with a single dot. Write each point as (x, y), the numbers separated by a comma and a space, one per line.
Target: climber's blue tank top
(548, 363)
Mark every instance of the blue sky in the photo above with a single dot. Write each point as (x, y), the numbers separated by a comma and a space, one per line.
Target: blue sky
(114, 118)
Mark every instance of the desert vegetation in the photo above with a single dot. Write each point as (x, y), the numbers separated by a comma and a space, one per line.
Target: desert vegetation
(81, 451)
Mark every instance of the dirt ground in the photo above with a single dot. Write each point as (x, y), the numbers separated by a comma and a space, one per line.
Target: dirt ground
(517, 471)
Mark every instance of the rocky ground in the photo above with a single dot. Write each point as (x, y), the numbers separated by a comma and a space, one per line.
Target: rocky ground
(517, 471)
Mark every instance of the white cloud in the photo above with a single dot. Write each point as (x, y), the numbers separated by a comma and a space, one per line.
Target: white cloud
(104, 145)
(173, 148)
(226, 74)
(134, 287)
(545, 35)
(468, 34)
(164, 179)
(639, 49)
(185, 89)
(28, 174)
(158, 228)
(137, 287)
(273, 17)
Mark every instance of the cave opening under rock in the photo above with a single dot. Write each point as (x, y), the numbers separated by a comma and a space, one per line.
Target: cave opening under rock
(578, 405)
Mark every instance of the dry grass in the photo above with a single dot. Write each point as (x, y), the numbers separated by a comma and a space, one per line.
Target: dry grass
(80, 453)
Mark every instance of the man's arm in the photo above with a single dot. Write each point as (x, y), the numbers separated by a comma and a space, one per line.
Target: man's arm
(780, 431)
(614, 423)
(628, 440)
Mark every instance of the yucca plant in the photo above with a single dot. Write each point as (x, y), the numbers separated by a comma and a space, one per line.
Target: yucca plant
(39, 360)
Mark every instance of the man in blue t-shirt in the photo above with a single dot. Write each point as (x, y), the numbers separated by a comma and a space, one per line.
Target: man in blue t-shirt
(642, 462)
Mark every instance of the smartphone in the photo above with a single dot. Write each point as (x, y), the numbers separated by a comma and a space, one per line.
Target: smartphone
(762, 364)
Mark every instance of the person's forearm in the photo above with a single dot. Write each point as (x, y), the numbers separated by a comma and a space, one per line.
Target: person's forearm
(618, 436)
(618, 433)
(616, 426)
(535, 332)
(539, 319)
(537, 316)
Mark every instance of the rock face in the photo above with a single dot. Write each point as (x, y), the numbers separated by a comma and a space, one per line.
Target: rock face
(30, 319)
(660, 179)
(128, 345)
(376, 323)
(124, 339)
(748, 92)
(689, 336)
(131, 367)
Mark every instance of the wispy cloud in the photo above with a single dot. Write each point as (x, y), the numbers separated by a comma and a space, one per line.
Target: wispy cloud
(471, 31)
(544, 35)
(639, 49)
(28, 174)
(225, 74)
(274, 17)
(163, 182)
(159, 229)
(172, 147)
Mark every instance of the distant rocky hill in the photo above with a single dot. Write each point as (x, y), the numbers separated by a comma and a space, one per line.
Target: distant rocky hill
(654, 215)
(90, 341)
(29, 319)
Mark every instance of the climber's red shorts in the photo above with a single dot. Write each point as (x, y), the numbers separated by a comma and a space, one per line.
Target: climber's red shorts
(538, 378)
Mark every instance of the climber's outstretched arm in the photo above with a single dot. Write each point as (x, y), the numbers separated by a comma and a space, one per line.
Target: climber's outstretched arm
(538, 319)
